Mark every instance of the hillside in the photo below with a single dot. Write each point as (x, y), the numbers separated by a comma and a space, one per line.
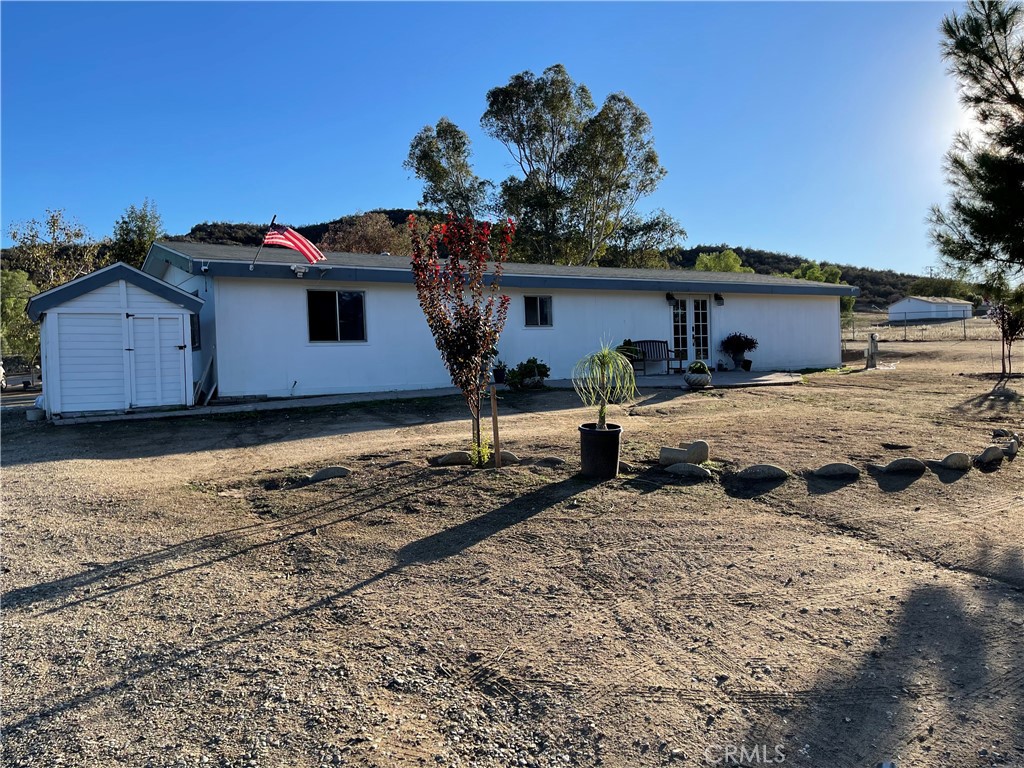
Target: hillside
(879, 287)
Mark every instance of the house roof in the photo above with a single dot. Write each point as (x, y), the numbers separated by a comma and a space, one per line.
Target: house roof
(935, 300)
(234, 261)
(41, 302)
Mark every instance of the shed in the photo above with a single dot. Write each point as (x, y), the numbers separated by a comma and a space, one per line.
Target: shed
(115, 340)
(914, 308)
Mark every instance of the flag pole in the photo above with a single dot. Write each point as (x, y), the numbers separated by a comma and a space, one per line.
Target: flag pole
(261, 245)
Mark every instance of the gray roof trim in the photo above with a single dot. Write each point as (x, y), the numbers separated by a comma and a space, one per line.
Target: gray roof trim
(234, 261)
(39, 304)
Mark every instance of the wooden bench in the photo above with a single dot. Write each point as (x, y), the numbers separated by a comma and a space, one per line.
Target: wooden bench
(654, 351)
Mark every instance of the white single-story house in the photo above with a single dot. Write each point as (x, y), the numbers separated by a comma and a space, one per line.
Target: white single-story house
(115, 340)
(352, 323)
(929, 308)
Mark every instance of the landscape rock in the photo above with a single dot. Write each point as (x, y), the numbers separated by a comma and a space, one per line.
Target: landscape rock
(762, 472)
(1011, 449)
(838, 469)
(904, 466)
(692, 471)
(958, 461)
(1001, 433)
(508, 459)
(669, 456)
(329, 473)
(626, 467)
(697, 452)
(991, 455)
(550, 461)
(455, 459)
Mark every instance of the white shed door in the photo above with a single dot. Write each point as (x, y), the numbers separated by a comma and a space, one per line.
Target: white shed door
(157, 360)
(91, 362)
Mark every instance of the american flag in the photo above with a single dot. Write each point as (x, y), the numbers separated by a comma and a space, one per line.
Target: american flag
(289, 238)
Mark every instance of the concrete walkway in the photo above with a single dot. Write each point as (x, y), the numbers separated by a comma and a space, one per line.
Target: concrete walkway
(720, 380)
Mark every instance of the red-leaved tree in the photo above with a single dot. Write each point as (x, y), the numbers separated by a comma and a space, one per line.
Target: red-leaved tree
(462, 302)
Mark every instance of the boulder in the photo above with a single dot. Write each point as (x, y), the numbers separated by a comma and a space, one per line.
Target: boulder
(906, 465)
(669, 456)
(697, 452)
(961, 462)
(454, 459)
(838, 469)
(691, 471)
(329, 473)
(1001, 433)
(507, 457)
(1011, 449)
(627, 467)
(991, 455)
(761, 472)
(550, 461)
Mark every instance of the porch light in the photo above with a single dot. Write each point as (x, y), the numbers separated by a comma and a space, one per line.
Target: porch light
(719, 300)
(670, 297)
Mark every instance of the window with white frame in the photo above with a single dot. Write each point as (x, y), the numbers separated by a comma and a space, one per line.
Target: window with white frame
(336, 315)
(538, 312)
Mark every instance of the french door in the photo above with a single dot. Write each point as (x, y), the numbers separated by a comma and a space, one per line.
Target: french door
(691, 328)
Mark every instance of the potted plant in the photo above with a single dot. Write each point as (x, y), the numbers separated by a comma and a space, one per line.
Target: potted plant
(602, 377)
(698, 375)
(736, 345)
(500, 371)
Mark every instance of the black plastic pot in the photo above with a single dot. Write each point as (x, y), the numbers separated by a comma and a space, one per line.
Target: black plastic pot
(746, 365)
(599, 451)
(499, 375)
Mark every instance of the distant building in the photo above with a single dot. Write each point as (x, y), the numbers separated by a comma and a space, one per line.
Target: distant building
(929, 308)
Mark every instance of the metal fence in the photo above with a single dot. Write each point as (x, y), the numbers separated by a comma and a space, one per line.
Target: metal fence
(911, 326)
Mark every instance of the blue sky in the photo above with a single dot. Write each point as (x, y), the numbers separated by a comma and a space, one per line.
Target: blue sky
(814, 129)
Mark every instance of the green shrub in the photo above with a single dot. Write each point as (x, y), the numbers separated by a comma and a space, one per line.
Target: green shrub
(698, 366)
(527, 375)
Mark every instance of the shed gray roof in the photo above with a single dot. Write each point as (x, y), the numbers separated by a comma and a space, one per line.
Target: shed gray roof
(234, 260)
(42, 302)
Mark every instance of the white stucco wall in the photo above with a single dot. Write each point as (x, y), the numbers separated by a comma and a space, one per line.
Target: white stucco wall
(793, 332)
(263, 343)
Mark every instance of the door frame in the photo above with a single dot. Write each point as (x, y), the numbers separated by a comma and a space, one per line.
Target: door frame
(185, 393)
(691, 313)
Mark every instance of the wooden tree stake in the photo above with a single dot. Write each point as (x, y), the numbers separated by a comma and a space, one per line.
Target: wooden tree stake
(494, 423)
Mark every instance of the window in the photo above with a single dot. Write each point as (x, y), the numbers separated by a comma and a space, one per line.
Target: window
(538, 311)
(336, 316)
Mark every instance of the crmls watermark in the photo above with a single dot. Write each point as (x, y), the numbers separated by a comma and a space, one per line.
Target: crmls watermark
(744, 754)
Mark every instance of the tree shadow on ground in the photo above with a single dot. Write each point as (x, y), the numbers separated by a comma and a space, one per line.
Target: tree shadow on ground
(33, 443)
(438, 546)
(999, 398)
(894, 482)
(452, 541)
(920, 683)
(220, 546)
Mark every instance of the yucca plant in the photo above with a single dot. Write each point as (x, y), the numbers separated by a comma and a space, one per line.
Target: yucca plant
(602, 377)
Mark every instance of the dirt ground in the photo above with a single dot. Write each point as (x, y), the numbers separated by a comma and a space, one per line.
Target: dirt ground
(174, 595)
